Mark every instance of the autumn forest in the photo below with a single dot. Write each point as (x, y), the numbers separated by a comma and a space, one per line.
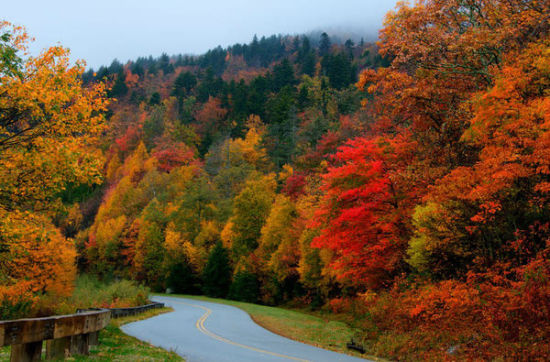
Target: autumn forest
(403, 184)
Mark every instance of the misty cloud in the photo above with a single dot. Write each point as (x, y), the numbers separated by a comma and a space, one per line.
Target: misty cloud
(102, 30)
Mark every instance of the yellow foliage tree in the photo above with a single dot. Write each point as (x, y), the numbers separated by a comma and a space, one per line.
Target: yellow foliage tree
(278, 245)
(49, 129)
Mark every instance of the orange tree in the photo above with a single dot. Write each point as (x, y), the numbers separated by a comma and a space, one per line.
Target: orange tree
(49, 128)
(464, 214)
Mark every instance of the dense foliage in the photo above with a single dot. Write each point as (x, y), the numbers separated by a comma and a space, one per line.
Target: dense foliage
(404, 184)
(49, 129)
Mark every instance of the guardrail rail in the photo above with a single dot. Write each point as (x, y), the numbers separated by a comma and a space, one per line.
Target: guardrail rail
(65, 335)
(123, 312)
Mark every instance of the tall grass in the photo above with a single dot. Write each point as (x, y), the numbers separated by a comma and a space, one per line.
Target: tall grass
(91, 292)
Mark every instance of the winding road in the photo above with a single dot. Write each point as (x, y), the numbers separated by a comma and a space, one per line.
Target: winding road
(204, 331)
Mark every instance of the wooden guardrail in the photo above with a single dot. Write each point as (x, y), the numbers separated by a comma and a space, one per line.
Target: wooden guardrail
(123, 312)
(355, 346)
(65, 335)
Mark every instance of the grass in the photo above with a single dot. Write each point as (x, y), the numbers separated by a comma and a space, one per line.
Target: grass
(114, 345)
(91, 292)
(318, 330)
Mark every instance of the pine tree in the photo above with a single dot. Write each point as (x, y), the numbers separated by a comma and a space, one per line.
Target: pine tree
(245, 287)
(217, 273)
(324, 45)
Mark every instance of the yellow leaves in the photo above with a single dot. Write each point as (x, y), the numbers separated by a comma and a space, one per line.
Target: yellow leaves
(113, 166)
(181, 177)
(209, 234)
(73, 220)
(250, 148)
(227, 235)
(277, 225)
(178, 249)
(109, 237)
(278, 246)
(18, 35)
(285, 173)
(50, 128)
(49, 132)
(174, 241)
(134, 166)
(194, 255)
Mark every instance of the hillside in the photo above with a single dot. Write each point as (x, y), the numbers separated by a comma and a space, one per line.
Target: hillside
(402, 185)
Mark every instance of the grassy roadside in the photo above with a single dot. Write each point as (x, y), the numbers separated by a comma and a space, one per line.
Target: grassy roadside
(318, 330)
(114, 345)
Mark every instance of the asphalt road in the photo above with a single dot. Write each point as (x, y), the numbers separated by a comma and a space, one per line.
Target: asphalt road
(204, 331)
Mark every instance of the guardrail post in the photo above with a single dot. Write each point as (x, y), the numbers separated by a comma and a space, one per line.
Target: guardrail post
(58, 348)
(80, 344)
(27, 352)
(94, 339)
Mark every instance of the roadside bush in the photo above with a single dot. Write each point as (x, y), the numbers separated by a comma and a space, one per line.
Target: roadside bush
(501, 314)
(91, 292)
(15, 303)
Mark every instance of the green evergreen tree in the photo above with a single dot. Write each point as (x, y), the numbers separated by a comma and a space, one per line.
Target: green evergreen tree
(283, 75)
(155, 99)
(181, 279)
(119, 88)
(153, 126)
(245, 287)
(183, 84)
(308, 64)
(349, 48)
(324, 45)
(165, 65)
(217, 273)
(339, 69)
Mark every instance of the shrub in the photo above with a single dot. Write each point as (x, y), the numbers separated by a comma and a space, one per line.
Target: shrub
(91, 292)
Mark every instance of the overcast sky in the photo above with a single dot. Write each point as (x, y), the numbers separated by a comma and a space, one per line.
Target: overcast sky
(102, 30)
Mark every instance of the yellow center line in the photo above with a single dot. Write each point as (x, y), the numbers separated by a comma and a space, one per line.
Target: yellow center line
(200, 326)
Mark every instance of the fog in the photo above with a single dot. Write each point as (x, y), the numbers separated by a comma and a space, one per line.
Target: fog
(102, 30)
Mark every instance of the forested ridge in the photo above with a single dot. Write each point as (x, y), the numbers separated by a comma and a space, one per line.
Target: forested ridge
(402, 184)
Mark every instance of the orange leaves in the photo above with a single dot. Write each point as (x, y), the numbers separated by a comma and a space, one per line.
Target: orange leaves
(461, 122)
(510, 127)
(460, 39)
(36, 258)
(210, 117)
(49, 131)
(49, 125)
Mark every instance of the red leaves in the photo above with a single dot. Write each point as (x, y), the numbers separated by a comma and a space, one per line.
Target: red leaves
(173, 155)
(294, 185)
(130, 139)
(364, 211)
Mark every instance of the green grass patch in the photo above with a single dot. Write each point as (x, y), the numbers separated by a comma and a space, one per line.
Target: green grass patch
(114, 345)
(317, 329)
(91, 292)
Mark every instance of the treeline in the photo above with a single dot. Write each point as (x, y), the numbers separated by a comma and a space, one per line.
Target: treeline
(259, 53)
(200, 181)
